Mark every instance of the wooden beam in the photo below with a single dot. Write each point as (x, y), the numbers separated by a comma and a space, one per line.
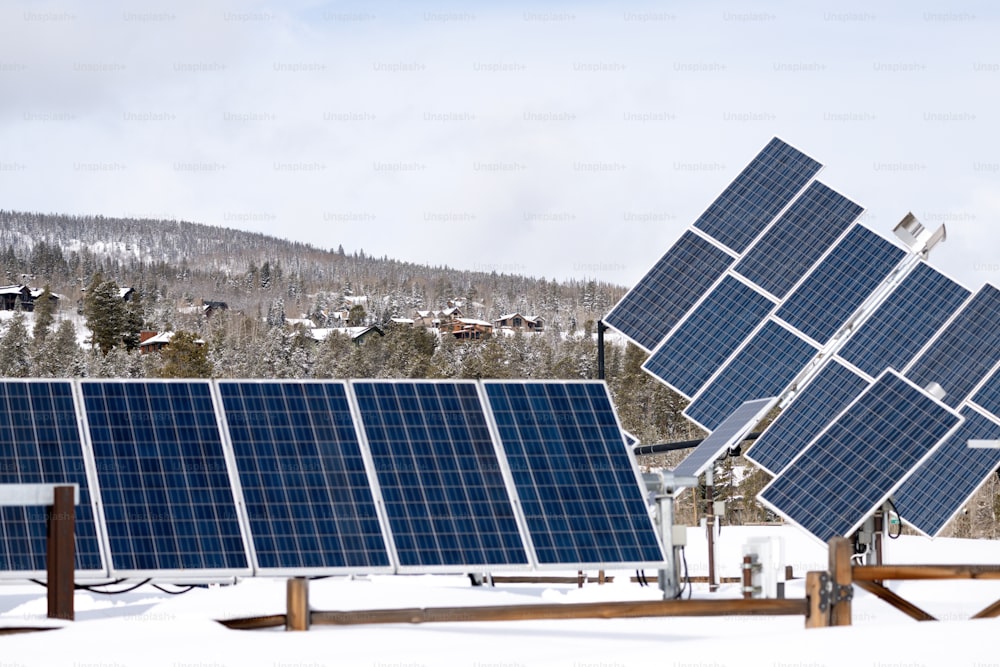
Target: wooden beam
(530, 612)
(297, 600)
(818, 606)
(61, 553)
(993, 611)
(256, 622)
(905, 606)
(918, 572)
(841, 576)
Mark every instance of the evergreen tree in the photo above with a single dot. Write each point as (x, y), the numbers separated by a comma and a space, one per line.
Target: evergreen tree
(45, 306)
(105, 312)
(60, 356)
(15, 358)
(185, 357)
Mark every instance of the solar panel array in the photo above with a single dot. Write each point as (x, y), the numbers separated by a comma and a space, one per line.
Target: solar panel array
(813, 308)
(727, 436)
(197, 478)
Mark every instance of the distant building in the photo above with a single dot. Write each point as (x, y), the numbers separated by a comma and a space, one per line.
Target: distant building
(357, 334)
(13, 297)
(467, 328)
(206, 308)
(519, 322)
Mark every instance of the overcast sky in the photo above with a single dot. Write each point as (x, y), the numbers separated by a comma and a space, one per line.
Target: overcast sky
(556, 139)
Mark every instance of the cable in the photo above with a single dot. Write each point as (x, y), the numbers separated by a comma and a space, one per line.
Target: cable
(161, 588)
(95, 588)
(898, 518)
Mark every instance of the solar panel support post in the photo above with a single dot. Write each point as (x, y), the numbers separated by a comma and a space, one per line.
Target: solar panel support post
(668, 578)
(601, 327)
(713, 584)
(60, 523)
(297, 602)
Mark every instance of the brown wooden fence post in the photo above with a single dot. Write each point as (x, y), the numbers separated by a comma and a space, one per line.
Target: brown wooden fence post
(297, 601)
(60, 553)
(842, 578)
(818, 611)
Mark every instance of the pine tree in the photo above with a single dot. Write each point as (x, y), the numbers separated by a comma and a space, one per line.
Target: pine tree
(186, 356)
(105, 312)
(45, 306)
(15, 359)
(60, 356)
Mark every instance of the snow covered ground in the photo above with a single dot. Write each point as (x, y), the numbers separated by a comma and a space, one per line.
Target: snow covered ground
(149, 627)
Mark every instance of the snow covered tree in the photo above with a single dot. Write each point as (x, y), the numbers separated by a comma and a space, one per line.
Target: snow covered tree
(45, 306)
(185, 357)
(15, 357)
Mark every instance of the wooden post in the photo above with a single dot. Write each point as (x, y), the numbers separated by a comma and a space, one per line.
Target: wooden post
(297, 602)
(747, 577)
(579, 578)
(818, 610)
(60, 553)
(841, 576)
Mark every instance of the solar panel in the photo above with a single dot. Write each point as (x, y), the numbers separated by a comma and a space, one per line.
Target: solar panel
(762, 189)
(903, 323)
(988, 396)
(167, 495)
(965, 351)
(302, 473)
(728, 435)
(577, 483)
(945, 482)
(657, 302)
(706, 338)
(439, 475)
(829, 392)
(840, 284)
(833, 485)
(40, 443)
(765, 366)
(790, 247)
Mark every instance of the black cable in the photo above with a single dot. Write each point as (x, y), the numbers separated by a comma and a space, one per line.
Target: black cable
(95, 588)
(161, 588)
(898, 518)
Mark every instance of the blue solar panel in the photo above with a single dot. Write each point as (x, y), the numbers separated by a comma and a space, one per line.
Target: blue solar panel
(904, 322)
(439, 475)
(577, 483)
(988, 396)
(729, 434)
(651, 309)
(765, 366)
(712, 332)
(762, 189)
(829, 392)
(965, 351)
(307, 495)
(840, 283)
(860, 459)
(790, 247)
(946, 481)
(40, 444)
(167, 496)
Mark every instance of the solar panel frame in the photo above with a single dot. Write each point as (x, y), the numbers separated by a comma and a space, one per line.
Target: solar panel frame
(835, 289)
(88, 517)
(810, 410)
(741, 367)
(711, 331)
(736, 217)
(883, 466)
(961, 373)
(904, 320)
(325, 458)
(730, 433)
(379, 487)
(953, 470)
(224, 453)
(641, 316)
(812, 224)
(542, 563)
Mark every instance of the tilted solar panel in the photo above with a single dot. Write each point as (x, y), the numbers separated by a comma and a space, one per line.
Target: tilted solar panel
(759, 192)
(840, 284)
(729, 434)
(167, 495)
(829, 392)
(965, 351)
(712, 331)
(850, 469)
(40, 443)
(308, 497)
(439, 475)
(765, 366)
(903, 323)
(988, 396)
(577, 483)
(793, 244)
(945, 482)
(657, 302)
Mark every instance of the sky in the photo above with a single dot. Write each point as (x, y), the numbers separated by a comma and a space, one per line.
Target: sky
(149, 628)
(556, 139)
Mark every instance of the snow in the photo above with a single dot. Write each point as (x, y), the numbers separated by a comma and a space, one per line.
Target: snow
(149, 627)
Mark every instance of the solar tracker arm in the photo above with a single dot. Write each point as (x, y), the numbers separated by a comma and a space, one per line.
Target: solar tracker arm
(663, 447)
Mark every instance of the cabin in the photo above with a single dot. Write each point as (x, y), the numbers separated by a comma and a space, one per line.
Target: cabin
(519, 322)
(13, 297)
(467, 328)
(153, 341)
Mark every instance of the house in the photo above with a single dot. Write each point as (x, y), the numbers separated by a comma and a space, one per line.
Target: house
(467, 328)
(357, 334)
(13, 297)
(519, 322)
(206, 308)
(126, 293)
(436, 318)
(152, 341)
